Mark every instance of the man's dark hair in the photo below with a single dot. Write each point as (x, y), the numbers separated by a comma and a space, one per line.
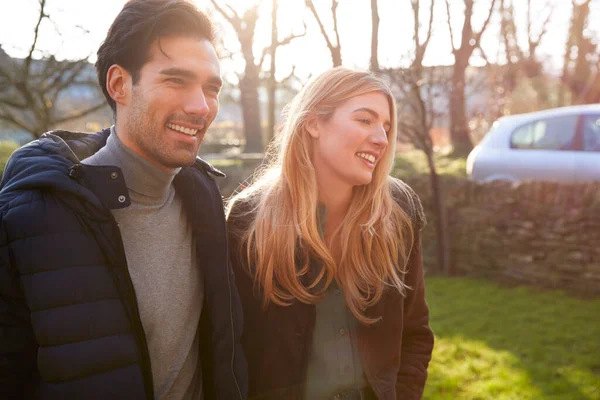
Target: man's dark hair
(138, 25)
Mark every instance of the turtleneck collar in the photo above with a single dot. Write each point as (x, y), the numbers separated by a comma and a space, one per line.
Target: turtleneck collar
(146, 182)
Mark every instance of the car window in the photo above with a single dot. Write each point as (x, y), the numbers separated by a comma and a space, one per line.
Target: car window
(522, 137)
(591, 133)
(553, 133)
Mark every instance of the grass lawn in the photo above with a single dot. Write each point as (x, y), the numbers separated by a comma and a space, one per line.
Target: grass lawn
(6, 149)
(408, 163)
(497, 342)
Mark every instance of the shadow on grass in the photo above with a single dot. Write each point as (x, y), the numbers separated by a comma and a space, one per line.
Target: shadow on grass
(496, 342)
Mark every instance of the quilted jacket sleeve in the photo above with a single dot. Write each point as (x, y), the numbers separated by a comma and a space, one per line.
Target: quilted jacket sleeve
(17, 343)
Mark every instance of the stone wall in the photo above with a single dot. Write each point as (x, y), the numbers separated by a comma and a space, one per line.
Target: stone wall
(539, 233)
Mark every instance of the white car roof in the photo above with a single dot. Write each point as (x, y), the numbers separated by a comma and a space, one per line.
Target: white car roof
(517, 119)
(507, 124)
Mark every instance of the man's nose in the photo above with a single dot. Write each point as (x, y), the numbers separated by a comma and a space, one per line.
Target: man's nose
(196, 104)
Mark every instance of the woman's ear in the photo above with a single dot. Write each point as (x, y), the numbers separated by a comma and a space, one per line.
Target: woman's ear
(313, 126)
(118, 84)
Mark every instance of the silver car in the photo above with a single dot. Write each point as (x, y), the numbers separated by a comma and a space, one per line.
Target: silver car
(560, 144)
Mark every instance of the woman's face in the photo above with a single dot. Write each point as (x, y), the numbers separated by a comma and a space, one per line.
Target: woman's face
(349, 144)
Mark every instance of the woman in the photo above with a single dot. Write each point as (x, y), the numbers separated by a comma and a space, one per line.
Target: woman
(326, 250)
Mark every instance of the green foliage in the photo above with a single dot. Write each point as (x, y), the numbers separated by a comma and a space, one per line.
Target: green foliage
(501, 343)
(6, 149)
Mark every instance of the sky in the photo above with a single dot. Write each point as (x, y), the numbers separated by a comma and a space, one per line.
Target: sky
(309, 54)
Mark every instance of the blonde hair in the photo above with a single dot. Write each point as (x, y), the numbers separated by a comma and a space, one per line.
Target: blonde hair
(375, 236)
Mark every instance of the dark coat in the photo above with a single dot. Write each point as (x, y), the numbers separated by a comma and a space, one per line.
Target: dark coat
(277, 340)
(69, 320)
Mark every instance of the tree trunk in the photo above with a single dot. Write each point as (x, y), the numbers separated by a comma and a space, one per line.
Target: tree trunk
(374, 36)
(249, 96)
(336, 56)
(441, 223)
(459, 127)
(251, 110)
(272, 83)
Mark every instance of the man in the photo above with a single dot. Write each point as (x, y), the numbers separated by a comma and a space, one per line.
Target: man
(114, 276)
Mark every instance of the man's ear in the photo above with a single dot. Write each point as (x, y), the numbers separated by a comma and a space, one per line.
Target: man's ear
(119, 84)
(312, 126)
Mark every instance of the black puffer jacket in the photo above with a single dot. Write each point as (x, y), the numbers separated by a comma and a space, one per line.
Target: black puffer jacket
(69, 320)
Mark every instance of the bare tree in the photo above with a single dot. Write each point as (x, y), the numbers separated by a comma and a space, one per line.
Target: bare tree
(523, 62)
(512, 50)
(533, 40)
(417, 115)
(334, 49)
(374, 36)
(244, 27)
(31, 90)
(469, 41)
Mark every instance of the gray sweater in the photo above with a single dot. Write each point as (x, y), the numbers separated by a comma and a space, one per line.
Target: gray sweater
(160, 255)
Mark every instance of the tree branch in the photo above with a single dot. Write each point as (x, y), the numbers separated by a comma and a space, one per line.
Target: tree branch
(485, 24)
(529, 21)
(74, 68)
(430, 117)
(13, 104)
(41, 16)
(80, 113)
(291, 37)
(429, 27)
(13, 120)
(265, 51)
(454, 49)
(235, 20)
(421, 48)
(483, 55)
(4, 74)
(312, 8)
(504, 31)
(334, 6)
(415, 8)
(375, 22)
(533, 44)
(279, 43)
(291, 75)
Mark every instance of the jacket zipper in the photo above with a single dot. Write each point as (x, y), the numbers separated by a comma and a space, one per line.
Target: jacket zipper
(228, 266)
(137, 321)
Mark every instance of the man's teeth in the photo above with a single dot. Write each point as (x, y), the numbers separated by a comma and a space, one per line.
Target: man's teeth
(367, 157)
(181, 129)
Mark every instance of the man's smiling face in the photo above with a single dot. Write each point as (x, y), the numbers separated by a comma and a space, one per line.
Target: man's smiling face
(174, 101)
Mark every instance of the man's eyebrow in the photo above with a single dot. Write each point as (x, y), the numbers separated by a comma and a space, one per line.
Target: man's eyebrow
(373, 113)
(215, 80)
(178, 72)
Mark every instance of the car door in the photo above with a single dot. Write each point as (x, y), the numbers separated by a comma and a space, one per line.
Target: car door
(544, 149)
(588, 160)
